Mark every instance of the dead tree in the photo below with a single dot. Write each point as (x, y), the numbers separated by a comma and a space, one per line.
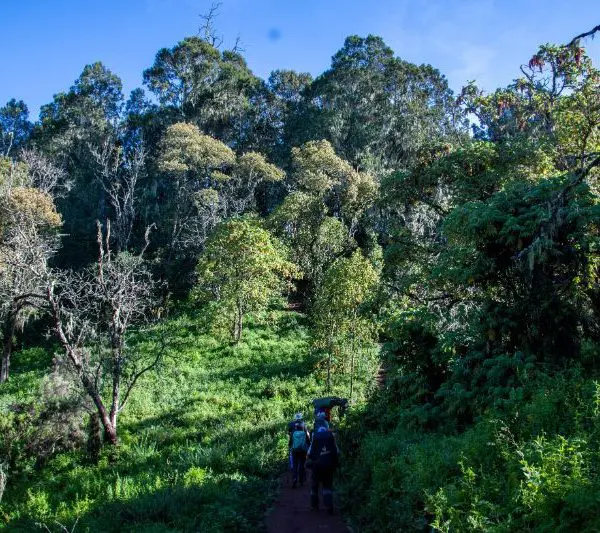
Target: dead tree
(92, 312)
(44, 174)
(118, 172)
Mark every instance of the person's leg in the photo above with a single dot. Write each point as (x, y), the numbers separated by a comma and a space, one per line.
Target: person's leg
(295, 468)
(301, 467)
(327, 480)
(314, 490)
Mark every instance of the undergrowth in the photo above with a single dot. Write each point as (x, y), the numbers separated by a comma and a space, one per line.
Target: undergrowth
(202, 441)
(529, 464)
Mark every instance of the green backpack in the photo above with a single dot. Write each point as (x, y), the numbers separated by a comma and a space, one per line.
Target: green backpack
(299, 441)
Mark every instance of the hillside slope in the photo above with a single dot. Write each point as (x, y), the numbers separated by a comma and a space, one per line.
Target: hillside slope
(202, 441)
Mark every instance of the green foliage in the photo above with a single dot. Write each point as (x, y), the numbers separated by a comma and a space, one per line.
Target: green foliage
(340, 329)
(475, 259)
(203, 441)
(207, 87)
(242, 268)
(511, 471)
(185, 149)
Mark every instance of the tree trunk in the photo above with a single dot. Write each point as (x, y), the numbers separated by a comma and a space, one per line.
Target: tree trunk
(7, 340)
(329, 372)
(110, 429)
(94, 440)
(351, 369)
(237, 328)
(116, 388)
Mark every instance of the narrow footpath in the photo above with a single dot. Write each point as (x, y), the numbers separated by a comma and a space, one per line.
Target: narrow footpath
(292, 513)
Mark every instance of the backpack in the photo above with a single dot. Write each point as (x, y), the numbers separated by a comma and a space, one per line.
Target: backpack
(299, 441)
(321, 423)
(324, 453)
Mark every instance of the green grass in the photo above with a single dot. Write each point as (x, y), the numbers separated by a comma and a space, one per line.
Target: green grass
(202, 441)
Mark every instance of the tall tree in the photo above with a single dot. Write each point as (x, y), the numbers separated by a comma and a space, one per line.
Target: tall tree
(205, 86)
(339, 327)
(241, 269)
(72, 128)
(15, 127)
(320, 219)
(378, 110)
(208, 183)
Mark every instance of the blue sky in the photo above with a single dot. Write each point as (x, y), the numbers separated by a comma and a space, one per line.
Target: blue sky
(46, 43)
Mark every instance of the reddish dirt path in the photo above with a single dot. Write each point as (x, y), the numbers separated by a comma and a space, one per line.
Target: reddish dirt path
(292, 513)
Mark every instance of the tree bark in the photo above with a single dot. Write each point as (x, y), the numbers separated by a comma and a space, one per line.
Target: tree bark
(110, 430)
(238, 325)
(116, 388)
(351, 370)
(7, 340)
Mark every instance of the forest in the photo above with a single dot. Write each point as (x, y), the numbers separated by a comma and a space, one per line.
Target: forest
(184, 268)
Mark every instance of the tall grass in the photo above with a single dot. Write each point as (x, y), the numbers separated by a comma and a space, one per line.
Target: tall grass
(202, 441)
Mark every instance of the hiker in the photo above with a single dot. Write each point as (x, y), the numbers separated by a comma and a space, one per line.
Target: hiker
(323, 458)
(298, 442)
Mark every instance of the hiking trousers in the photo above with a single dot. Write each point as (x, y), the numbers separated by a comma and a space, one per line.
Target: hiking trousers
(299, 466)
(323, 477)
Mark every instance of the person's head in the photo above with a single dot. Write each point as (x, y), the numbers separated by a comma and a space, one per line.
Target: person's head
(297, 417)
(321, 415)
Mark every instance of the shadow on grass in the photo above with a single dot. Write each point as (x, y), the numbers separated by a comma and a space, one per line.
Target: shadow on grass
(301, 368)
(217, 503)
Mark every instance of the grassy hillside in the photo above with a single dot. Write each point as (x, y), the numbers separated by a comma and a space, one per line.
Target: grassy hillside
(202, 441)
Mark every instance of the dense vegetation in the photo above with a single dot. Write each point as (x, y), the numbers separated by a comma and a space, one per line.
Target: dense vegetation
(201, 444)
(161, 240)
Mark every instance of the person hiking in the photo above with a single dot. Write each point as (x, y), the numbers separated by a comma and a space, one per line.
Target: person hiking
(323, 458)
(299, 443)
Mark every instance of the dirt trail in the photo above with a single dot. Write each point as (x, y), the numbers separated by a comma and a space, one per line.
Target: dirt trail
(292, 513)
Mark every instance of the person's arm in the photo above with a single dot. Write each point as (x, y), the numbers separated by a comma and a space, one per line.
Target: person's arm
(309, 453)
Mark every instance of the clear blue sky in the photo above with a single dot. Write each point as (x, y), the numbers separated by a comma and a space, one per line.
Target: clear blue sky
(46, 43)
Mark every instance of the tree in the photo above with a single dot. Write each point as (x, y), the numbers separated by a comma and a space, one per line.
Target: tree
(15, 127)
(208, 183)
(242, 269)
(338, 324)
(92, 312)
(118, 170)
(319, 220)
(72, 128)
(204, 86)
(28, 223)
(376, 109)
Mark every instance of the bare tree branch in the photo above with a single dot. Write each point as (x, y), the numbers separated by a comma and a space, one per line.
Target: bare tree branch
(575, 40)
(207, 29)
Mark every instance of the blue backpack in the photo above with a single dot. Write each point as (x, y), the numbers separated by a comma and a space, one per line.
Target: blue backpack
(299, 441)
